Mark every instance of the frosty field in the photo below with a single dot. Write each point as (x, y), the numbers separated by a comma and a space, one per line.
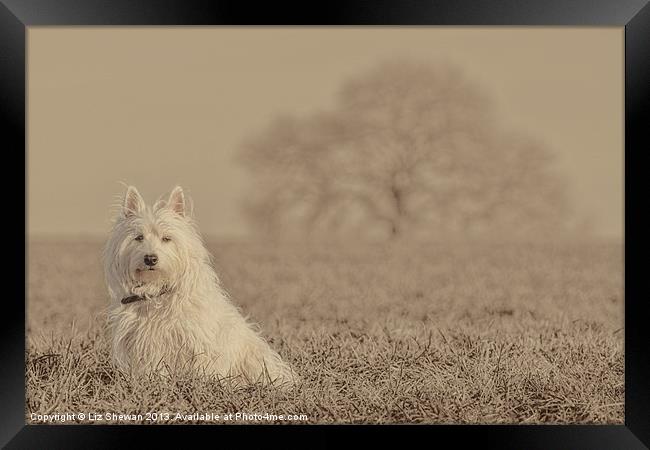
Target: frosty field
(438, 333)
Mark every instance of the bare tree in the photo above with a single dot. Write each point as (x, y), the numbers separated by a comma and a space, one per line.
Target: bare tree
(409, 148)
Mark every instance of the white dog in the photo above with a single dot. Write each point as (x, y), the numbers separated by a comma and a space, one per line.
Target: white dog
(168, 311)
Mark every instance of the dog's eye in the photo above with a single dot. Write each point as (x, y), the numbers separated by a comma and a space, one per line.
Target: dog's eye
(166, 239)
(139, 237)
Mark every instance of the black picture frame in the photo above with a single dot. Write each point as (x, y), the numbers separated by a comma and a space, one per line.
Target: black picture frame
(634, 15)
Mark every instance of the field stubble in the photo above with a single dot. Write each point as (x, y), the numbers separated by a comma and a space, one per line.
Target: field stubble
(379, 334)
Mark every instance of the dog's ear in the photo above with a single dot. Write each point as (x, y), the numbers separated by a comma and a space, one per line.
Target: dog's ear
(133, 202)
(176, 201)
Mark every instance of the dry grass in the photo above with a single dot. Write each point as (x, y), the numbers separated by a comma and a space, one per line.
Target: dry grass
(434, 334)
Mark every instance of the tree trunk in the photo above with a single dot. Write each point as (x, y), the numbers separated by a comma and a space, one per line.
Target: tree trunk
(394, 230)
(397, 198)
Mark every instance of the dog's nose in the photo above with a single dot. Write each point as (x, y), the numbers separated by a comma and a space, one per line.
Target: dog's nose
(150, 260)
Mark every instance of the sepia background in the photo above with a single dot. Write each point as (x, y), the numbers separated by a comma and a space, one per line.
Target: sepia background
(427, 222)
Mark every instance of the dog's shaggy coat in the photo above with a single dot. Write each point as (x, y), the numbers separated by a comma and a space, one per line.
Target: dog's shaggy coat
(181, 320)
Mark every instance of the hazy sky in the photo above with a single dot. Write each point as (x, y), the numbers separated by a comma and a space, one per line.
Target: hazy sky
(158, 106)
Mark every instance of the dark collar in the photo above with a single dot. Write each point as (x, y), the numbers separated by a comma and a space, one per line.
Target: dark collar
(137, 298)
